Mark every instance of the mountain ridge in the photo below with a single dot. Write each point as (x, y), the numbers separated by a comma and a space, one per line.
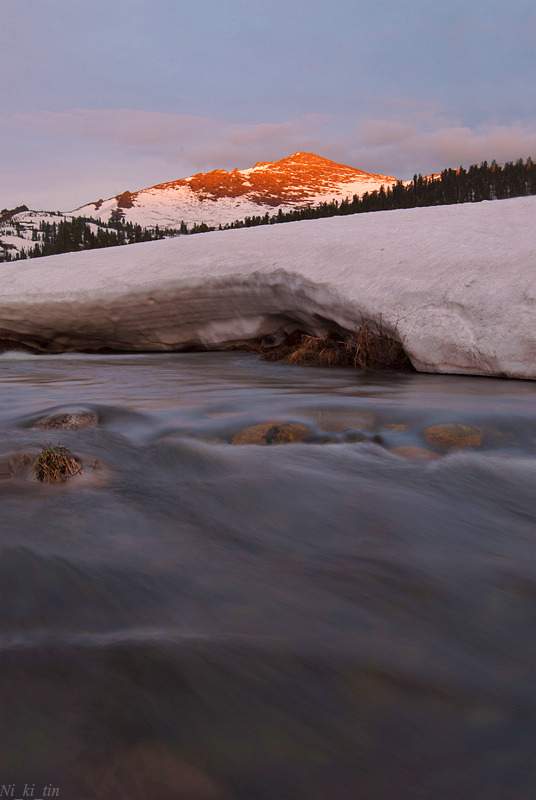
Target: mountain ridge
(221, 196)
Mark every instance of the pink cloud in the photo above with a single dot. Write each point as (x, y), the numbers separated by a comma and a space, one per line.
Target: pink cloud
(99, 152)
(429, 140)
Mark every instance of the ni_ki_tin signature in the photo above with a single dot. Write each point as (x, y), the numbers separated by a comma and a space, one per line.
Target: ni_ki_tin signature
(29, 791)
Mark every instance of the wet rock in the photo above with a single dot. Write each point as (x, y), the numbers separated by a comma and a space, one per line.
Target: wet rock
(68, 421)
(31, 466)
(339, 420)
(56, 465)
(355, 437)
(272, 433)
(151, 771)
(453, 436)
(415, 453)
(15, 465)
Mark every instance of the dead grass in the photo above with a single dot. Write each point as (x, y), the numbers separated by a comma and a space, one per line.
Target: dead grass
(56, 465)
(372, 346)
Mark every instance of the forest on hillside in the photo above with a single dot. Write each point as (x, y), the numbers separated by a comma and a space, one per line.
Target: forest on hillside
(83, 233)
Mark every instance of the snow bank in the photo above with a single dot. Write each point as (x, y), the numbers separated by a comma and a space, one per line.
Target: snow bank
(457, 282)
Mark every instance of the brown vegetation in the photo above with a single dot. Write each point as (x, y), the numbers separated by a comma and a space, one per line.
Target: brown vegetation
(371, 347)
(56, 465)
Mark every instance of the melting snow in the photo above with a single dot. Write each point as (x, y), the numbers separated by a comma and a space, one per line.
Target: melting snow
(458, 283)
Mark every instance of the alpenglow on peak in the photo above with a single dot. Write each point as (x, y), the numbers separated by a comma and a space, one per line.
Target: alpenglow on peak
(221, 196)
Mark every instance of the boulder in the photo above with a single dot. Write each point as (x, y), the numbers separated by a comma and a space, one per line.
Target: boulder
(415, 453)
(272, 433)
(453, 436)
(68, 421)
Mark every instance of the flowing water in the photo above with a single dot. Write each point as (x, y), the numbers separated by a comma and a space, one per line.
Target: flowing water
(200, 620)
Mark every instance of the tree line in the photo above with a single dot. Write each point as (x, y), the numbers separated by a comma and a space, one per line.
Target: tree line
(83, 233)
(485, 181)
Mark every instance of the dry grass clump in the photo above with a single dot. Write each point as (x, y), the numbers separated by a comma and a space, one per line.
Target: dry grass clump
(56, 465)
(370, 347)
(374, 347)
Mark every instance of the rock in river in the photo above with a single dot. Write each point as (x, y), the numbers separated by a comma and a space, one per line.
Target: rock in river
(272, 433)
(68, 421)
(453, 436)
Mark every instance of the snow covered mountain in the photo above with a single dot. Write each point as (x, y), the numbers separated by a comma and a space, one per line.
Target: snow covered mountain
(217, 197)
(301, 179)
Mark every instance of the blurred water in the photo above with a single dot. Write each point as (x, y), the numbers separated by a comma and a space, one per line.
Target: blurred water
(302, 621)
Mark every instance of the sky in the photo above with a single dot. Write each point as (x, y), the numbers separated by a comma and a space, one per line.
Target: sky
(98, 97)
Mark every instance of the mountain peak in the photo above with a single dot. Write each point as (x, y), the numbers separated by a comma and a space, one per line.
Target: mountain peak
(219, 196)
(304, 156)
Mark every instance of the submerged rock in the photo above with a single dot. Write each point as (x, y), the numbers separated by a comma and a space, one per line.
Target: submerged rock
(15, 465)
(272, 433)
(150, 771)
(415, 453)
(56, 465)
(53, 465)
(344, 419)
(453, 436)
(68, 421)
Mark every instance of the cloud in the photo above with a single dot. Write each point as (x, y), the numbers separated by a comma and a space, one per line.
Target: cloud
(66, 158)
(383, 133)
(423, 138)
(433, 142)
(99, 152)
(202, 141)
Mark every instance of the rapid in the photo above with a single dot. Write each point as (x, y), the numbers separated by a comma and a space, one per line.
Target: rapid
(330, 618)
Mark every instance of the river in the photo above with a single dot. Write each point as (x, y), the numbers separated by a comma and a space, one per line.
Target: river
(202, 620)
